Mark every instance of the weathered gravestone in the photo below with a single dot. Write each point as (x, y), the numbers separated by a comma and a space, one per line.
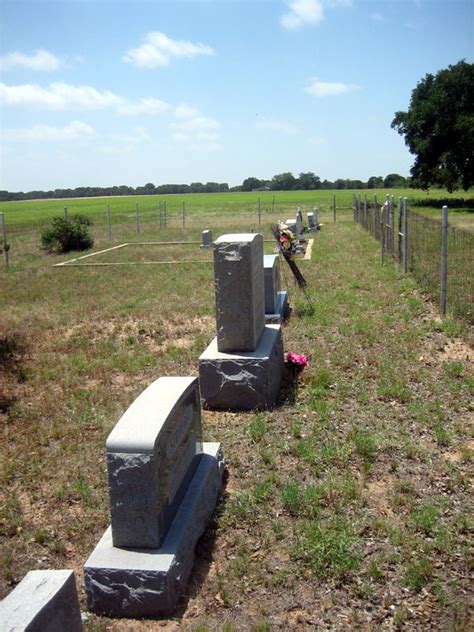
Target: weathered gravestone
(44, 601)
(242, 368)
(163, 486)
(206, 239)
(276, 300)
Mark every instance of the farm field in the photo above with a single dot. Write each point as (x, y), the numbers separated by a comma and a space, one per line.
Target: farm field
(346, 507)
(40, 211)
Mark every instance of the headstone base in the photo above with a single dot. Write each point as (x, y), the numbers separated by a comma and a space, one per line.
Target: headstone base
(149, 582)
(278, 316)
(44, 601)
(245, 380)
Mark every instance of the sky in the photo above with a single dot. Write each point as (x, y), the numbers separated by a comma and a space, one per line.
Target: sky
(112, 92)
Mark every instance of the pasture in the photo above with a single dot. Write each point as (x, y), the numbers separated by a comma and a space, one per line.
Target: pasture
(346, 507)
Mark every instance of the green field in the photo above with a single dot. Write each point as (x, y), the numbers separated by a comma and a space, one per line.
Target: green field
(24, 212)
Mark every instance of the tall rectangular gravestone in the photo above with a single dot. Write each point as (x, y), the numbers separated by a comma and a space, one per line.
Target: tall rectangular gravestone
(276, 300)
(163, 486)
(242, 367)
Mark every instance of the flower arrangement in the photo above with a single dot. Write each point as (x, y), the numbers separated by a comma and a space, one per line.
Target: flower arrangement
(286, 239)
(296, 361)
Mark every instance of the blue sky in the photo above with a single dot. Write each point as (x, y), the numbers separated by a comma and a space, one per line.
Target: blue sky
(110, 92)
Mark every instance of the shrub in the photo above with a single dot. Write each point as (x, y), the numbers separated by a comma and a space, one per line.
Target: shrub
(64, 235)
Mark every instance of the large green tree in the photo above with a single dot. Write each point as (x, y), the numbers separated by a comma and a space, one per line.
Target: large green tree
(439, 128)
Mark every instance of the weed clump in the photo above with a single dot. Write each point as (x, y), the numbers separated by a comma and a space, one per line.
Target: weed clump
(64, 235)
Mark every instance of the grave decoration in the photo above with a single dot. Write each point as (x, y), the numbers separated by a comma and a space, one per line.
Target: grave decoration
(243, 366)
(163, 486)
(287, 245)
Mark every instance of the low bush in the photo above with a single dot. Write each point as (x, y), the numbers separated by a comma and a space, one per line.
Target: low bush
(64, 235)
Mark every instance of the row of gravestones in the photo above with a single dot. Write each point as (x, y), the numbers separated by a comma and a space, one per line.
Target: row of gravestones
(164, 481)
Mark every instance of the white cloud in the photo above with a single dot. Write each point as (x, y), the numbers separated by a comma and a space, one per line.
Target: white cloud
(40, 60)
(136, 136)
(198, 132)
(377, 17)
(158, 49)
(75, 131)
(186, 111)
(196, 124)
(63, 96)
(329, 88)
(277, 126)
(302, 12)
(59, 96)
(144, 106)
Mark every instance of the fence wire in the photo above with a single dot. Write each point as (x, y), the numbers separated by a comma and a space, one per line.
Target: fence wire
(424, 238)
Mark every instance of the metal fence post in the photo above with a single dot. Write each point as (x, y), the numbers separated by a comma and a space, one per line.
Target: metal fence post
(444, 258)
(365, 211)
(137, 219)
(259, 212)
(374, 223)
(65, 213)
(5, 246)
(334, 205)
(399, 242)
(109, 228)
(184, 215)
(164, 205)
(405, 236)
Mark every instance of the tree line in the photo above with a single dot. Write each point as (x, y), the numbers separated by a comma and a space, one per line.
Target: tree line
(279, 182)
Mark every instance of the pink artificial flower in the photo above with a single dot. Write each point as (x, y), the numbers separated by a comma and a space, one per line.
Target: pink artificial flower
(297, 358)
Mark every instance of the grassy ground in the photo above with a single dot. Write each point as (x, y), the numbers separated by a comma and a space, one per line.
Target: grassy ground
(207, 204)
(347, 507)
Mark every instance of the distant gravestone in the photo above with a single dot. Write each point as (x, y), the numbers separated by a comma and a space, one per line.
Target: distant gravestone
(242, 367)
(206, 239)
(311, 224)
(163, 485)
(44, 601)
(275, 299)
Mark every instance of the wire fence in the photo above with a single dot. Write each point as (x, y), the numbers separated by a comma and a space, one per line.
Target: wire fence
(440, 256)
(120, 221)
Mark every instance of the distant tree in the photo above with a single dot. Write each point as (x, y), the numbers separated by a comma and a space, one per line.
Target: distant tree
(394, 181)
(439, 128)
(249, 184)
(196, 187)
(283, 182)
(375, 182)
(340, 184)
(308, 181)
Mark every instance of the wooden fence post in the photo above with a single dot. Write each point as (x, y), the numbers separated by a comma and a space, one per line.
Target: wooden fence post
(109, 229)
(444, 258)
(5, 246)
(405, 236)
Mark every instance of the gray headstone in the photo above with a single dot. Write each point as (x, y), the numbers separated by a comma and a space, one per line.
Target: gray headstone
(152, 454)
(291, 223)
(239, 285)
(311, 224)
(44, 601)
(271, 272)
(150, 582)
(206, 238)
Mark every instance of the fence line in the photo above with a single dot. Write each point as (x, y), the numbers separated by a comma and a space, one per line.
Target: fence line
(439, 255)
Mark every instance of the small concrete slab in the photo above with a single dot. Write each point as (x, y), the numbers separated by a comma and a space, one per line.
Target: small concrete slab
(243, 380)
(44, 601)
(149, 582)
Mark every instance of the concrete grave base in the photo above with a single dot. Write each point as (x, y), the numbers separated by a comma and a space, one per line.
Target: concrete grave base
(243, 380)
(278, 316)
(149, 582)
(44, 601)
